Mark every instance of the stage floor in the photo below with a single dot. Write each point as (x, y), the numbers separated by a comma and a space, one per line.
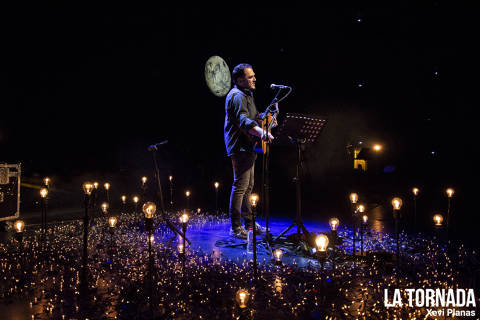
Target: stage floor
(214, 237)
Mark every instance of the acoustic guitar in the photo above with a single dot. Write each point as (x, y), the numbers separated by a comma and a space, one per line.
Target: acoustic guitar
(270, 117)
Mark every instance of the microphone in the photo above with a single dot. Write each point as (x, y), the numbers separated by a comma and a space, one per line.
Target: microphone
(279, 86)
(155, 146)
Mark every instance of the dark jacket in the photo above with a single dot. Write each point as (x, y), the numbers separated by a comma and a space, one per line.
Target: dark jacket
(241, 115)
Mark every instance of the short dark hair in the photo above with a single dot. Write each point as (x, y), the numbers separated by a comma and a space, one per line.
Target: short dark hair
(239, 71)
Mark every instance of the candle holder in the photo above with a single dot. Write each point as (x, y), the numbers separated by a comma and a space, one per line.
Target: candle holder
(149, 209)
(450, 192)
(438, 225)
(107, 188)
(144, 188)
(124, 204)
(359, 212)
(135, 202)
(170, 179)
(19, 226)
(216, 185)
(278, 253)
(334, 223)
(94, 196)
(322, 244)
(397, 204)
(43, 205)
(112, 222)
(415, 192)
(353, 200)
(183, 221)
(253, 202)
(364, 223)
(87, 189)
(187, 194)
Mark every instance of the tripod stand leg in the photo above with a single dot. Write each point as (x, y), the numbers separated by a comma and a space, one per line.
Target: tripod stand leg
(175, 230)
(305, 231)
(285, 231)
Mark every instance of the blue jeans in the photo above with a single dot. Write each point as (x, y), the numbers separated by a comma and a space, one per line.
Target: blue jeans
(243, 165)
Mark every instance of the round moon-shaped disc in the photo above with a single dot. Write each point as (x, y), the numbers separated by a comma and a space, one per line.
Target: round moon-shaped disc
(217, 76)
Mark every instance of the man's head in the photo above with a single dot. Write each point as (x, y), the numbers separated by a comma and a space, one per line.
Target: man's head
(244, 77)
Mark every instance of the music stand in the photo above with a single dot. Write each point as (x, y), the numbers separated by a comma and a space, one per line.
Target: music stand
(300, 129)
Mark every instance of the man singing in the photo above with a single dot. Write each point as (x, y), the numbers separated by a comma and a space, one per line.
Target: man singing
(240, 129)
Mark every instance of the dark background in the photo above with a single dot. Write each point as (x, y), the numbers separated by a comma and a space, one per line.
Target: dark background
(84, 89)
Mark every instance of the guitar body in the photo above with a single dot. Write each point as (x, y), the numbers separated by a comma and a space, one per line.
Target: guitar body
(261, 147)
(264, 127)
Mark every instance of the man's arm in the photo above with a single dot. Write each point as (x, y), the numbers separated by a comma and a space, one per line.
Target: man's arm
(249, 125)
(259, 132)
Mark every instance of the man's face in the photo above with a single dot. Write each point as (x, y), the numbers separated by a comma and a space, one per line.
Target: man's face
(248, 80)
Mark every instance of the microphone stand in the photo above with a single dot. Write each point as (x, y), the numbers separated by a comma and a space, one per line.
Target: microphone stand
(265, 170)
(160, 196)
(266, 175)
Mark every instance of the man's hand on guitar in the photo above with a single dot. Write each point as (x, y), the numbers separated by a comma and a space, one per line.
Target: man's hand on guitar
(259, 132)
(275, 123)
(269, 138)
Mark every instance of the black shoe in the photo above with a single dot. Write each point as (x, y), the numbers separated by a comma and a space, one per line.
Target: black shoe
(239, 233)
